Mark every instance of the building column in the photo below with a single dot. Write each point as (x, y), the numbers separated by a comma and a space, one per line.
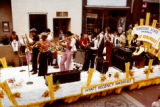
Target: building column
(84, 3)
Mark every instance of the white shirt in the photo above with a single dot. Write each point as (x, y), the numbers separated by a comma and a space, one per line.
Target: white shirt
(95, 47)
(112, 38)
(14, 45)
(123, 38)
(50, 37)
(100, 40)
(22, 42)
(73, 44)
(141, 50)
(117, 41)
(106, 36)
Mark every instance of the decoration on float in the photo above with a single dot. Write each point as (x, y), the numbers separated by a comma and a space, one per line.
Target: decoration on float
(127, 69)
(56, 86)
(11, 80)
(148, 33)
(1, 103)
(91, 70)
(103, 78)
(150, 69)
(1, 94)
(8, 92)
(50, 86)
(131, 73)
(45, 94)
(3, 62)
(116, 75)
(17, 94)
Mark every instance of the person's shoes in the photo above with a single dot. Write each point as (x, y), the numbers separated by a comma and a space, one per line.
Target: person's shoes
(34, 73)
(31, 70)
(56, 66)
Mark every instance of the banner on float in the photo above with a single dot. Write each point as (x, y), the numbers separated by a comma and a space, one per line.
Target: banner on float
(148, 34)
(106, 86)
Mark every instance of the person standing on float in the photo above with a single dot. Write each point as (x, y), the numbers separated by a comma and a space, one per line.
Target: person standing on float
(35, 50)
(67, 56)
(43, 44)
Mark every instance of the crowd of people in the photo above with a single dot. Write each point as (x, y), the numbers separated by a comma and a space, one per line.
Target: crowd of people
(45, 48)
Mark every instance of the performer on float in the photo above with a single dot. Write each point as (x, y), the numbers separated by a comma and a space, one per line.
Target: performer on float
(100, 44)
(84, 41)
(49, 35)
(93, 47)
(123, 39)
(14, 42)
(138, 53)
(35, 50)
(134, 42)
(107, 32)
(55, 54)
(50, 54)
(116, 40)
(67, 55)
(109, 47)
(43, 44)
(77, 41)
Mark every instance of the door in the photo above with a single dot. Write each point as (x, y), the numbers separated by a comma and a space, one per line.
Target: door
(38, 21)
(61, 24)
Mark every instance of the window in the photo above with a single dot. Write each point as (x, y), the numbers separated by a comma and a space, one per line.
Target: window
(62, 14)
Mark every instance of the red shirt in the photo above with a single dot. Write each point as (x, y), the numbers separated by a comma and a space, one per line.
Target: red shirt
(84, 41)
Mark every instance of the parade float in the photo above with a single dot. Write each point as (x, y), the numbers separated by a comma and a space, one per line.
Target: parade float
(16, 92)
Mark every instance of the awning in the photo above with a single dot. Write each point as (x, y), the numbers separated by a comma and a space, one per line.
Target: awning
(107, 7)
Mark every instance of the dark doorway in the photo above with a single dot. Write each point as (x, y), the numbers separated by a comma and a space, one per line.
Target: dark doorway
(61, 24)
(38, 21)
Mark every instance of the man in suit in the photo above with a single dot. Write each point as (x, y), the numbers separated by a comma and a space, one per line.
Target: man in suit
(134, 41)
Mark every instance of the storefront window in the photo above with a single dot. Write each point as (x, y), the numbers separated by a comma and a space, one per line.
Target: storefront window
(91, 23)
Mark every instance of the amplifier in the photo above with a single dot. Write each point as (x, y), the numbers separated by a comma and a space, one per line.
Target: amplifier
(150, 56)
(102, 65)
(66, 76)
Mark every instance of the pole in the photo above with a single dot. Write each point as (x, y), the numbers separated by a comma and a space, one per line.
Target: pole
(28, 55)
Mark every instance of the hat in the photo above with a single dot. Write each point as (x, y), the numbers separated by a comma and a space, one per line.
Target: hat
(33, 30)
(44, 34)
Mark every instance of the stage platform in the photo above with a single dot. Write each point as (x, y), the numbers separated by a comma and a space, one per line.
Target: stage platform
(31, 94)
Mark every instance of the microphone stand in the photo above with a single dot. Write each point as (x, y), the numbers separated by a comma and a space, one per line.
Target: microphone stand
(28, 55)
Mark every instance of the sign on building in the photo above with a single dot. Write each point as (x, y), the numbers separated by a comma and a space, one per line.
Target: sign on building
(107, 2)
